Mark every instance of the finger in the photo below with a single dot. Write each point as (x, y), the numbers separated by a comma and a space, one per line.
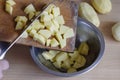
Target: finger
(4, 65)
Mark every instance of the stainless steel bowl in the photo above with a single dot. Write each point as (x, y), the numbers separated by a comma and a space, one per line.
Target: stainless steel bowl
(86, 31)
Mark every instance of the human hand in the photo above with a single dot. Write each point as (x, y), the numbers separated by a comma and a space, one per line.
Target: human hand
(4, 65)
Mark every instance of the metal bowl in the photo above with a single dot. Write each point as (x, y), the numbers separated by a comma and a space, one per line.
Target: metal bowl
(86, 31)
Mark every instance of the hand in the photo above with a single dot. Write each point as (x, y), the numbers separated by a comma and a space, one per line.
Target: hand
(4, 65)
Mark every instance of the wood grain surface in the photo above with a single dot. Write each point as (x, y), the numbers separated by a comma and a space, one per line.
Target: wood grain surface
(7, 23)
(22, 66)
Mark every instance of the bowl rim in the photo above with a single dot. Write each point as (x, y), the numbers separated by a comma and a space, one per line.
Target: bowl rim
(93, 65)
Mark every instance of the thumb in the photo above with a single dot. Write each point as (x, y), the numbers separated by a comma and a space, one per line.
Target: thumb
(4, 65)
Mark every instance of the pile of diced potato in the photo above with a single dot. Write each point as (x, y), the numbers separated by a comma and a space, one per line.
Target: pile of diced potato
(49, 30)
(9, 6)
(68, 61)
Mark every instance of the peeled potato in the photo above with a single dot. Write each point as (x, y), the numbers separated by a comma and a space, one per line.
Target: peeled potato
(87, 11)
(116, 31)
(102, 6)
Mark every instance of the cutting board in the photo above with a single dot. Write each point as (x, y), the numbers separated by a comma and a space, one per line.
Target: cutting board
(7, 23)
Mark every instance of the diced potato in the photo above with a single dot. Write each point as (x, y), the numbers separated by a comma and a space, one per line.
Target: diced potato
(69, 33)
(25, 35)
(56, 11)
(60, 19)
(58, 36)
(63, 29)
(83, 48)
(39, 38)
(19, 26)
(51, 26)
(54, 43)
(46, 33)
(10, 2)
(45, 18)
(51, 15)
(47, 56)
(37, 25)
(54, 52)
(83, 61)
(56, 24)
(79, 59)
(57, 64)
(22, 19)
(66, 64)
(48, 42)
(71, 70)
(62, 56)
(9, 8)
(77, 65)
(31, 15)
(30, 8)
(49, 8)
(63, 43)
(32, 32)
(73, 56)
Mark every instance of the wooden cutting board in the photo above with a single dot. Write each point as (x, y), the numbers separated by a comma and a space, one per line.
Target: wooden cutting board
(7, 24)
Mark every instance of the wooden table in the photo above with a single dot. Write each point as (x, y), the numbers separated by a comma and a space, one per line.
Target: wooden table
(22, 66)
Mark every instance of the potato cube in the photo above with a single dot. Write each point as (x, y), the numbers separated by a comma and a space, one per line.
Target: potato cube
(71, 70)
(37, 25)
(77, 65)
(56, 24)
(19, 26)
(56, 11)
(46, 33)
(10, 2)
(54, 52)
(49, 8)
(60, 19)
(30, 8)
(22, 19)
(54, 43)
(57, 64)
(62, 56)
(73, 56)
(39, 38)
(79, 59)
(9, 8)
(25, 35)
(83, 61)
(66, 64)
(47, 56)
(63, 43)
(83, 48)
(80, 64)
(51, 15)
(58, 36)
(69, 33)
(31, 15)
(63, 29)
(48, 42)
(51, 26)
(32, 32)
(45, 18)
